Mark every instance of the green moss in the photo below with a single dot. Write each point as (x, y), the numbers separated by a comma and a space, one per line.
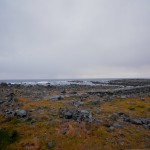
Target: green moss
(7, 137)
(131, 108)
(15, 121)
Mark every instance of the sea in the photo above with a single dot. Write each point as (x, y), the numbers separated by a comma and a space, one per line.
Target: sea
(58, 81)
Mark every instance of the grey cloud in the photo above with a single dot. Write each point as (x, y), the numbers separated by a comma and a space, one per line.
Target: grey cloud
(82, 38)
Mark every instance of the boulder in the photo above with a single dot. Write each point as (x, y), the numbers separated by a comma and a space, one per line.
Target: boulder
(140, 121)
(21, 113)
(146, 126)
(9, 113)
(136, 121)
(75, 114)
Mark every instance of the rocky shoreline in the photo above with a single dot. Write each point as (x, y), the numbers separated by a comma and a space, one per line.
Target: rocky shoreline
(99, 106)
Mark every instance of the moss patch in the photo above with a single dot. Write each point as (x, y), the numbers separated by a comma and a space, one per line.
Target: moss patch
(7, 137)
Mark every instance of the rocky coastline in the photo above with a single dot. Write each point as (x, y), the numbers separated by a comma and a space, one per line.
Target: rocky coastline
(114, 107)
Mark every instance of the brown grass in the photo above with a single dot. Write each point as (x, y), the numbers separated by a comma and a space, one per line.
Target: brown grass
(80, 136)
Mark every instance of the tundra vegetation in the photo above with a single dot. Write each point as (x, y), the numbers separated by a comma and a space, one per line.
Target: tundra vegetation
(75, 117)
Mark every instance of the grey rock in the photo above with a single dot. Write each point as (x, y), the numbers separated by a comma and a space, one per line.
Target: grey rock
(98, 112)
(84, 112)
(9, 113)
(119, 116)
(146, 126)
(75, 114)
(117, 125)
(136, 121)
(50, 144)
(10, 96)
(131, 103)
(110, 129)
(123, 97)
(57, 97)
(21, 113)
(78, 103)
(64, 130)
(68, 115)
(113, 116)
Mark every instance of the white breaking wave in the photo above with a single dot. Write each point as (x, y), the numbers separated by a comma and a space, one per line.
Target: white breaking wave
(57, 82)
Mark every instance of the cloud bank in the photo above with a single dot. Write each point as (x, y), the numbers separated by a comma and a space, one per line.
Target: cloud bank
(74, 39)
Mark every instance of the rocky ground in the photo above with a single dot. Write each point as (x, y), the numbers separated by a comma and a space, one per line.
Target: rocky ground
(112, 116)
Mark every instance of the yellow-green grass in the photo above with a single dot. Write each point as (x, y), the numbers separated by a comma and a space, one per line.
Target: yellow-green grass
(141, 108)
(90, 137)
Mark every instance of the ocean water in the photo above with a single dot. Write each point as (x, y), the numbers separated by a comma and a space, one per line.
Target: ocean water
(58, 81)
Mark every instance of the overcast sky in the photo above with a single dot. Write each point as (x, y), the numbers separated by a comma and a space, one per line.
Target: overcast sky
(74, 39)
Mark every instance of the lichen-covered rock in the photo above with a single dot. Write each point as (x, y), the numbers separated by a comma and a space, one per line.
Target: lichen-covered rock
(21, 113)
(75, 114)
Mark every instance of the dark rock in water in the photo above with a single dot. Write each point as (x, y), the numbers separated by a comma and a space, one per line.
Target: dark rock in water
(3, 84)
(77, 115)
(50, 144)
(21, 113)
(96, 82)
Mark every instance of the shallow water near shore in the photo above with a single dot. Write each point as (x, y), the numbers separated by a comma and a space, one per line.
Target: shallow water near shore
(58, 81)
